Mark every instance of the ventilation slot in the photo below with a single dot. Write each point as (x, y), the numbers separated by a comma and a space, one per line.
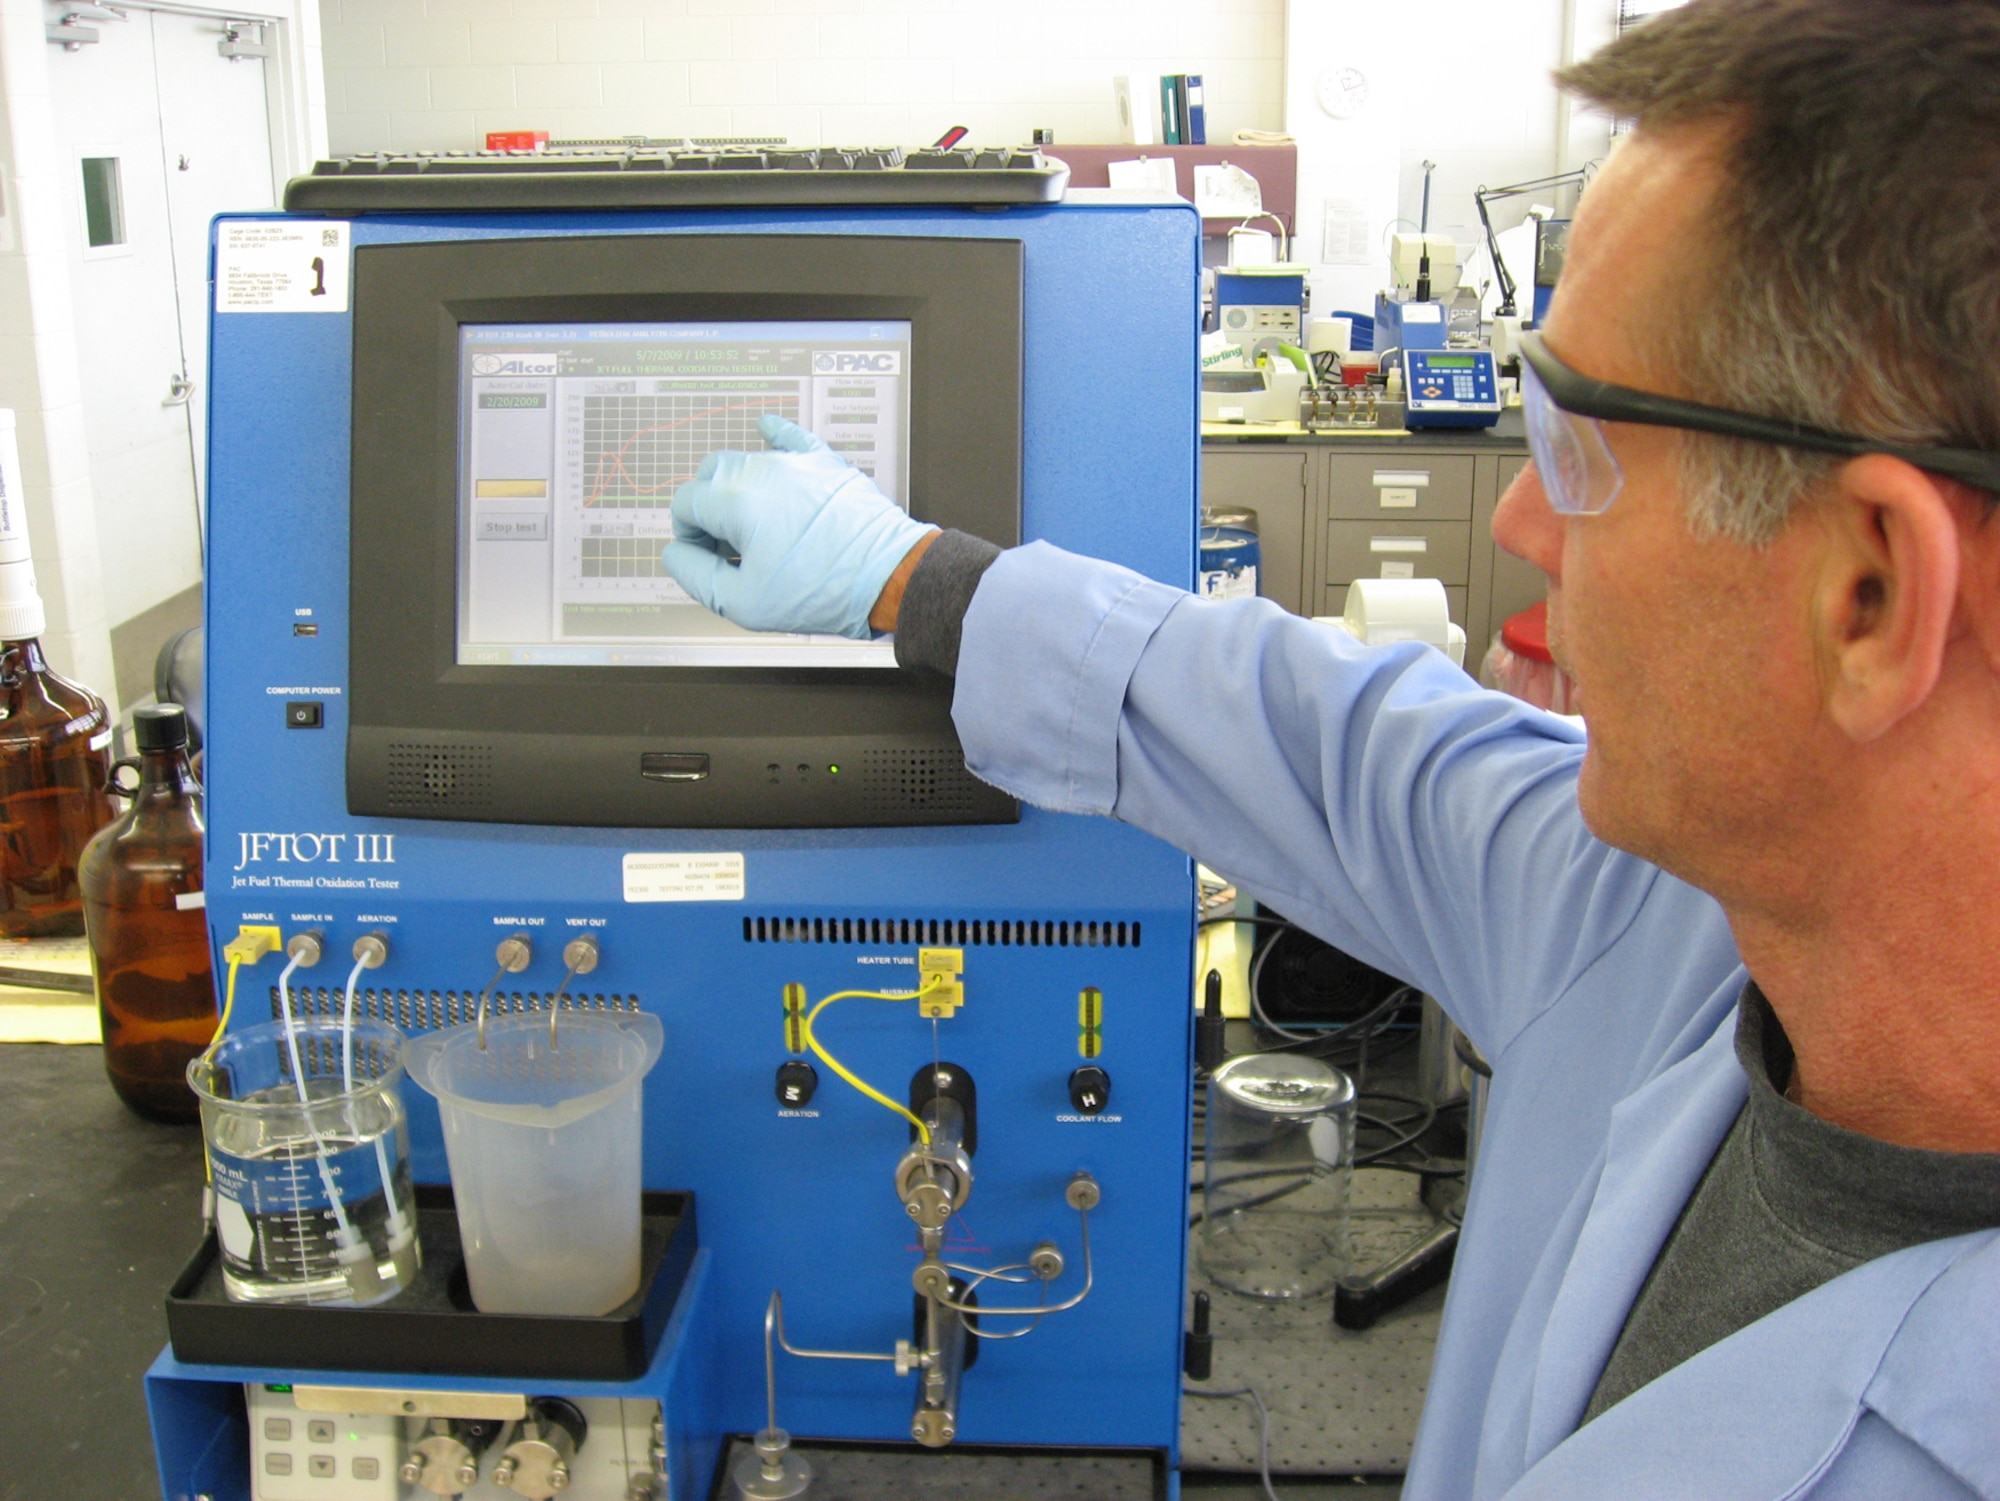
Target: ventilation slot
(440, 776)
(1029, 933)
(426, 1010)
(924, 781)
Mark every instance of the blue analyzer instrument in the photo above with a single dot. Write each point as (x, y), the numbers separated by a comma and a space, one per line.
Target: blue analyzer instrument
(454, 703)
(1450, 388)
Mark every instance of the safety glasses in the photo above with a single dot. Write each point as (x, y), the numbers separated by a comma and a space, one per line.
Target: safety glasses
(1565, 412)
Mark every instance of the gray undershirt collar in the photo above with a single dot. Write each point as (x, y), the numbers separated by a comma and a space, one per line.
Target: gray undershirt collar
(1789, 1202)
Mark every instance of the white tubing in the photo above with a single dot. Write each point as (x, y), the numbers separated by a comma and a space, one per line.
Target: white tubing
(345, 1233)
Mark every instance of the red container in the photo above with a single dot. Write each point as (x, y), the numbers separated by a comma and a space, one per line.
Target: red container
(1520, 663)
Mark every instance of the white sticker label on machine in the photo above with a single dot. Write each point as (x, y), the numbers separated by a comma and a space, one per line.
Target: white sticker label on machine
(281, 266)
(684, 878)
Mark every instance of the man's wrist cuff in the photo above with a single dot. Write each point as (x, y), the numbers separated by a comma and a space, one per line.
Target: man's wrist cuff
(939, 592)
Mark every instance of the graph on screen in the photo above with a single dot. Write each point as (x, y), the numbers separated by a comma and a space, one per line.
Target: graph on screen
(638, 448)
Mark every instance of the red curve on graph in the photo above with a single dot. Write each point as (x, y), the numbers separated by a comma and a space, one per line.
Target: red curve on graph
(603, 483)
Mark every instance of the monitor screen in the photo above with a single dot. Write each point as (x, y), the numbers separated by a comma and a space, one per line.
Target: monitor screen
(573, 438)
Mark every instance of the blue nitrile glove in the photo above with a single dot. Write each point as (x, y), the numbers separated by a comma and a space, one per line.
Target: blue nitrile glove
(816, 538)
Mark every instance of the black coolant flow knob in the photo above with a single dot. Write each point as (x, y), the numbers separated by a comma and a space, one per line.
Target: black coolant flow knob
(797, 1080)
(1089, 1089)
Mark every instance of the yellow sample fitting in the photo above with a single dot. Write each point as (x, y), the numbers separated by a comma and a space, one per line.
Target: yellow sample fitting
(940, 992)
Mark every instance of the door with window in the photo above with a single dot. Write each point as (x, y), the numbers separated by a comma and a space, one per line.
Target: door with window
(161, 129)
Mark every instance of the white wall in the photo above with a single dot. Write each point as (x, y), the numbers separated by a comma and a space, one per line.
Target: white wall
(39, 378)
(40, 364)
(1463, 83)
(438, 74)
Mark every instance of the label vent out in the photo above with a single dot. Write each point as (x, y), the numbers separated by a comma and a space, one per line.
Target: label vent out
(1025, 933)
(439, 776)
(931, 781)
(426, 1010)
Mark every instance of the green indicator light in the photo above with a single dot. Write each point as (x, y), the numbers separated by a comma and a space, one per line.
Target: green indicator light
(833, 771)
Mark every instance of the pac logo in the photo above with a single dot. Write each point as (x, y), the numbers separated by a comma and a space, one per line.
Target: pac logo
(857, 362)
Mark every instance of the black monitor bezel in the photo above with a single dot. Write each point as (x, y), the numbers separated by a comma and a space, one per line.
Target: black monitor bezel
(962, 299)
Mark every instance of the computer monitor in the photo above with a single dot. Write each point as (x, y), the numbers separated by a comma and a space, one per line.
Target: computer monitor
(524, 409)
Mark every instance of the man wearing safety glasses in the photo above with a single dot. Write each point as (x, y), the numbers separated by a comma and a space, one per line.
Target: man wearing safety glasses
(1735, 955)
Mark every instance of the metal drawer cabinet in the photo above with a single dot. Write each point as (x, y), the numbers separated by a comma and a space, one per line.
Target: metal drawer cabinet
(1398, 550)
(1398, 487)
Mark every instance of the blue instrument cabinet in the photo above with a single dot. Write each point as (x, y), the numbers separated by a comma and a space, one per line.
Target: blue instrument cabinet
(1044, 910)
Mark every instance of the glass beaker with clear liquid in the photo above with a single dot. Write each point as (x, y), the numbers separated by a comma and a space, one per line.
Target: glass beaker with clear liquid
(312, 1187)
(1279, 1158)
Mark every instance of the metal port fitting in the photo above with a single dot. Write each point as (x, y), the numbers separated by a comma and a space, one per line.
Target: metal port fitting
(1083, 1193)
(371, 950)
(306, 946)
(580, 955)
(932, 1280)
(514, 953)
(1045, 1261)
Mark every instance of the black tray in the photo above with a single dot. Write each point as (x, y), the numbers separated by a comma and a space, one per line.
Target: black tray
(431, 1327)
(862, 1470)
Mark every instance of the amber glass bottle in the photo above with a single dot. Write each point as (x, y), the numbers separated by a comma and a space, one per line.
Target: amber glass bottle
(141, 882)
(55, 757)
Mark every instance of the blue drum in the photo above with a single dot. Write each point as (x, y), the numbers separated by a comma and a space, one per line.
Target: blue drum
(1230, 555)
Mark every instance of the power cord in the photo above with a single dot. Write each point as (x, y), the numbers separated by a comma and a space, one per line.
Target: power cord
(1263, 1430)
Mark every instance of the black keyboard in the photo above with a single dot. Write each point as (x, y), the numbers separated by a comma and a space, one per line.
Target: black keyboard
(658, 177)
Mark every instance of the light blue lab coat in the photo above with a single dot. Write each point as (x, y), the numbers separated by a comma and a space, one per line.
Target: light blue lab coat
(1382, 800)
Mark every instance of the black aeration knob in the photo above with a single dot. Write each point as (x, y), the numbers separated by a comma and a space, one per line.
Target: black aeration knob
(796, 1083)
(1089, 1089)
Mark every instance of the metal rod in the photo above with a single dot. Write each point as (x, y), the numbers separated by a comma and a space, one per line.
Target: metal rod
(1035, 1313)
(771, 1365)
(555, 1004)
(774, 1319)
(480, 1021)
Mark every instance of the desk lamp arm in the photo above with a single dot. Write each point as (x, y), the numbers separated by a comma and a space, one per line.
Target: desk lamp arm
(1484, 196)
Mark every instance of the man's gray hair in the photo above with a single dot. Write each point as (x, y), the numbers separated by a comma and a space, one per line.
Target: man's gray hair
(1853, 271)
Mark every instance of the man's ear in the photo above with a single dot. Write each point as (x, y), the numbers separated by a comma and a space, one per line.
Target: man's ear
(1888, 589)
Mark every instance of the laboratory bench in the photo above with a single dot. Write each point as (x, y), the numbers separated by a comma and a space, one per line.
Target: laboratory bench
(1334, 507)
(98, 1214)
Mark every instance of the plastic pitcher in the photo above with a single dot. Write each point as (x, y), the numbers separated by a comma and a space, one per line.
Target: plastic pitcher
(543, 1133)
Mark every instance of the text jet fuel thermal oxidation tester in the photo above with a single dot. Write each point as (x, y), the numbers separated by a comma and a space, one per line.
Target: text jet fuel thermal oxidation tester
(465, 729)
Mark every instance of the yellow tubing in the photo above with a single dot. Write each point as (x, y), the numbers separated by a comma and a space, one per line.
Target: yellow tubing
(923, 1131)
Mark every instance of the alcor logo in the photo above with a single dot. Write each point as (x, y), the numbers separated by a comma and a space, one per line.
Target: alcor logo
(857, 362)
(515, 364)
(315, 849)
